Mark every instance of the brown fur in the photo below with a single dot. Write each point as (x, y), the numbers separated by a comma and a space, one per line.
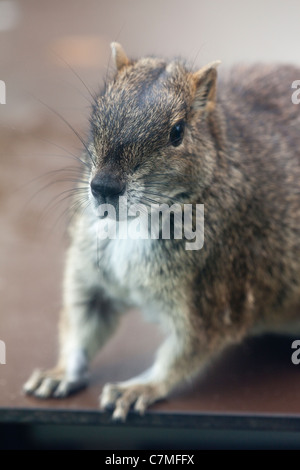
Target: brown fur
(239, 157)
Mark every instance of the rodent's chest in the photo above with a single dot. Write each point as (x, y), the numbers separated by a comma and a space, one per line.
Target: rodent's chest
(126, 259)
(127, 267)
(138, 272)
(131, 273)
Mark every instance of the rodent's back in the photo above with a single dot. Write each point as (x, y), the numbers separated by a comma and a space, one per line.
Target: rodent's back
(257, 101)
(263, 129)
(263, 144)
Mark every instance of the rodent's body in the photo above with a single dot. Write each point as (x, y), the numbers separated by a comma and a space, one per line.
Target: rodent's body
(263, 142)
(240, 157)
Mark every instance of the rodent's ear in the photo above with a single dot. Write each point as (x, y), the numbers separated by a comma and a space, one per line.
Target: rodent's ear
(119, 55)
(205, 81)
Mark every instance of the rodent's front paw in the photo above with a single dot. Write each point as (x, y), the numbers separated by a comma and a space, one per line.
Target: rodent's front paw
(52, 383)
(121, 397)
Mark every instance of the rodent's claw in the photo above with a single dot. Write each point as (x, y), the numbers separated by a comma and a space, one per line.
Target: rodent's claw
(33, 382)
(122, 397)
(46, 388)
(52, 384)
(108, 397)
(66, 387)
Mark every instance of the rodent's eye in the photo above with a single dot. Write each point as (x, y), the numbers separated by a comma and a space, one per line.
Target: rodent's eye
(176, 134)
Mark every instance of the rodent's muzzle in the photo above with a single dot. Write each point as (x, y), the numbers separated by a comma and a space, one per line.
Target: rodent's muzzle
(106, 188)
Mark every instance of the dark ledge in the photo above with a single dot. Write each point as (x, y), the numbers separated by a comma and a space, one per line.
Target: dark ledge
(200, 421)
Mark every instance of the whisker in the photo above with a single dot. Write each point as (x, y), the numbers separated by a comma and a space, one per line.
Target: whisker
(163, 196)
(92, 95)
(81, 206)
(145, 203)
(67, 179)
(69, 126)
(69, 154)
(73, 170)
(153, 201)
(58, 199)
(72, 210)
(150, 184)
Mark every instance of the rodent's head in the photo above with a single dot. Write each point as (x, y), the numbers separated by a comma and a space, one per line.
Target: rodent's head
(150, 137)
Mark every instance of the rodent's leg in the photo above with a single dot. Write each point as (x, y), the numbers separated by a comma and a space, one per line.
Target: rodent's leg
(84, 328)
(87, 321)
(179, 359)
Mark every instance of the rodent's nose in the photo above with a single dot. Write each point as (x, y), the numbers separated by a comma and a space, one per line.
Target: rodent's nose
(105, 185)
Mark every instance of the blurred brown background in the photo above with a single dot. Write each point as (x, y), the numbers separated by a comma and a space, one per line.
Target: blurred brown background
(79, 31)
(38, 39)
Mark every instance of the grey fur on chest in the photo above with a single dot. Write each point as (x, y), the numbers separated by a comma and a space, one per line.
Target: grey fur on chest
(124, 260)
(132, 271)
